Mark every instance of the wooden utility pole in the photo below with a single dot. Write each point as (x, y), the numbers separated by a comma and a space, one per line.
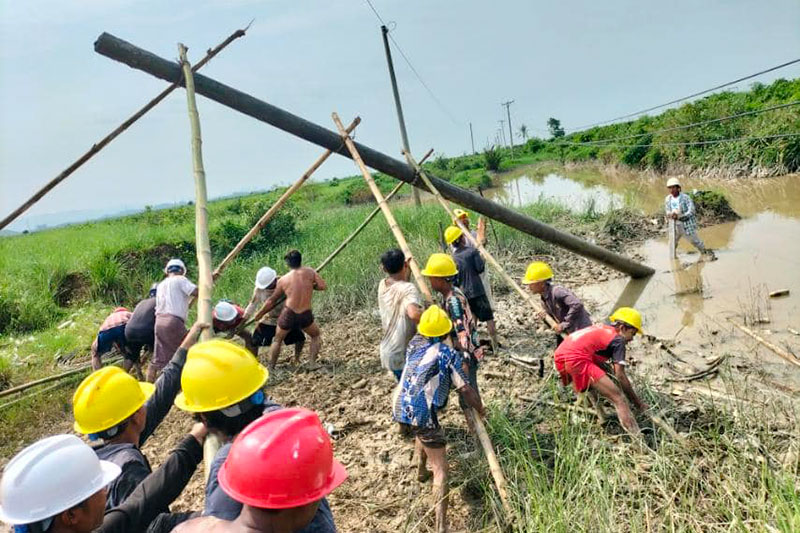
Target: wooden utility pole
(472, 138)
(99, 145)
(396, 93)
(398, 234)
(510, 131)
(205, 280)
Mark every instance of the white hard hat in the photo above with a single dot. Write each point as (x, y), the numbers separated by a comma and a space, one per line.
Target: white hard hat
(265, 277)
(49, 477)
(174, 263)
(225, 312)
(673, 182)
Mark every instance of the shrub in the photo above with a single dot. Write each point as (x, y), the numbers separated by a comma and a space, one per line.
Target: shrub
(107, 277)
(491, 158)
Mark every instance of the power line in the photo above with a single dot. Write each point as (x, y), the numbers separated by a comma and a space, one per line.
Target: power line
(629, 115)
(602, 142)
(688, 143)
(414, 70)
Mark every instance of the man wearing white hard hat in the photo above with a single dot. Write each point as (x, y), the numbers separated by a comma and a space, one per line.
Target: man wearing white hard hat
(227, 317)
(58, 484)
(680, 208)
(266, 281)
(173, 296)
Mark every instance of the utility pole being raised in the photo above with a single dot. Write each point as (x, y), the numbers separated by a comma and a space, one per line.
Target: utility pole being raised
(472, 138)
(510, 131)
(403, 133)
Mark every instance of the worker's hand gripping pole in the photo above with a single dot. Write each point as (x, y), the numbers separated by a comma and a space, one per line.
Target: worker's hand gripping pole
(387, 213)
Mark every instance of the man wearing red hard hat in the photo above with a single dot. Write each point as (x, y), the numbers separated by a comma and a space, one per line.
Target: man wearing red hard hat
(279, 468)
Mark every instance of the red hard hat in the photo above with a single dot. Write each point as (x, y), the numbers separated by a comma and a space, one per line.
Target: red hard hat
(282, 460)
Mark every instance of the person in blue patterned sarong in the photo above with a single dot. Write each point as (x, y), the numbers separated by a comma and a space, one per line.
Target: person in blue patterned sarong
(432, 368)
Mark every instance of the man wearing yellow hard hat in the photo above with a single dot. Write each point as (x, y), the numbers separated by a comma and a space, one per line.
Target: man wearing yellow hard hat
(579, 357)
(441, 271)
(110, 406)
(471, 269)
(431, 369)
(223, 385)
(559, 302)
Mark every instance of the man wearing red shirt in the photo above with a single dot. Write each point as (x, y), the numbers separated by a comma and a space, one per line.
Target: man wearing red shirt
(578, 358)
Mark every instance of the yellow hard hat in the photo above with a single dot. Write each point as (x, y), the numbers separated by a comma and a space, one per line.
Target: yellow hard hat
(440, 266)
(537, 271)
(629, 316)
(107, 397)
(218, 374)
(452, 234)
(460, 213)
(434, 322)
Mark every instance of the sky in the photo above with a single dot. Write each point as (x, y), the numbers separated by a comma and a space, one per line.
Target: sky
(581, 61)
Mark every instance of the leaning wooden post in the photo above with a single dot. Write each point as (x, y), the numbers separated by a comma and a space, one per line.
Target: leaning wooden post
(376, 192)
(204, 278)
(276, 206)
(99, 145)
(491, 458)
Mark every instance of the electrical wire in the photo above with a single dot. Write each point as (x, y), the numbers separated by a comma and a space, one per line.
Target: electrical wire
(435, 98)
(677, 100)
(688, 143)
(602, 142)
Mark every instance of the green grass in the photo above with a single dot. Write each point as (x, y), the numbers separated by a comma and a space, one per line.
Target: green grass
(736, 472)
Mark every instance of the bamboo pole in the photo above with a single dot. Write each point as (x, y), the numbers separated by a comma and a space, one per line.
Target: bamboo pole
(205, 280)
(113, 135)
(785, 355)
(55, 377)
(387, 213)
(491, 458)
(120, 50)
(489, 258)
(276, 206)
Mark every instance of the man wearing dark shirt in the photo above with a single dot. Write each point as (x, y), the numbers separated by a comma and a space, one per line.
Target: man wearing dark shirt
(559, 302)
(470, 268)
(223, 385)
(111, 405)
(140, 329)
(80, 476)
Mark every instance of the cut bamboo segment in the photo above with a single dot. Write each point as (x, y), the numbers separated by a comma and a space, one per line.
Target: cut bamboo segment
(387, 213)
(205, 280)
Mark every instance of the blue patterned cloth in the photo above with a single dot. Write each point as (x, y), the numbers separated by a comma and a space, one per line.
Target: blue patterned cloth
(687, 215)
(431, 369)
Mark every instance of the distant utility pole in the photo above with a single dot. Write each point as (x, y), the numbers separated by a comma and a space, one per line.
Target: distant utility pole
(472, 138)
(403, 133)
(510, 132)
(502, 130)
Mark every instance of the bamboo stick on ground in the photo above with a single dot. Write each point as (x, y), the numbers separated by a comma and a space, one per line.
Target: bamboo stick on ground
(783, 353)
(113, 135)
(204, 277)
(491, 458)
(48, 379)
(401, 240)
(276, 206)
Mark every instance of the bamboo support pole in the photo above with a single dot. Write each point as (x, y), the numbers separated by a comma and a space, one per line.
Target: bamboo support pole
(55, 377)
(783, 353)
(387, 213)
(120, 50)
(99, 145)
(491, 458)
(489, 258)
(276, 206)
(205, 280)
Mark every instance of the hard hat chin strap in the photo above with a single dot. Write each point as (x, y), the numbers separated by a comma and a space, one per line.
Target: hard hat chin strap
(254, 400)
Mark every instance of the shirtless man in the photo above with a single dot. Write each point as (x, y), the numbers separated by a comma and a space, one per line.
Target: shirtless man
(298, 288)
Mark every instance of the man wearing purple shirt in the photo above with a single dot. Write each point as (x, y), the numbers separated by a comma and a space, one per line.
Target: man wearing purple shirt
(559, 302)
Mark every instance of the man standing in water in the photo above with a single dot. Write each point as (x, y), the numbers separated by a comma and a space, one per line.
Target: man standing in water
(680, 208)
(298, 288)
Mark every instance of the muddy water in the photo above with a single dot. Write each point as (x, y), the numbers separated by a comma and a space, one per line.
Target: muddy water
(690, 300)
